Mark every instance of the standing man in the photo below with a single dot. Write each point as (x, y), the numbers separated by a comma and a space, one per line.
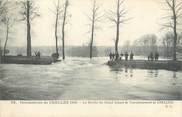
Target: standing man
(131, 55)
(126, 56)
(121, 56)
(110, 56)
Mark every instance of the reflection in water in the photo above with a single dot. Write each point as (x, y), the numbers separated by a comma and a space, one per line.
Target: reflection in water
(2, 76)
(156, 72)
(131, 72)
(128, 72)
(120, 72)
(174, 80)
(1, 72)
(174, 75)
(153, 73)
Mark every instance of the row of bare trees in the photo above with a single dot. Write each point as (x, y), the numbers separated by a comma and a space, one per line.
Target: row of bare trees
(29, 11)
(115, 16)
(172, 22)
(146, 44)
(61, 12)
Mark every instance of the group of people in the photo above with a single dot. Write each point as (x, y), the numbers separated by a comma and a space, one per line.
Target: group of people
(153, 56)
(117, 56)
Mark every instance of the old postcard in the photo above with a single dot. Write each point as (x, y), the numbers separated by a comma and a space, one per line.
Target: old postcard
(91, 58)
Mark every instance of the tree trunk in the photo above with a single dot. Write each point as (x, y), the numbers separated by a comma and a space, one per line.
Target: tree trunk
(117, 39)
(92, 33)
(63, 30)
(6, 41)
(117, 29)
(92, 39)
(56, 37)
(63, 46)
(174, 42)
(174, 47)
(29, 49)
(175, 32)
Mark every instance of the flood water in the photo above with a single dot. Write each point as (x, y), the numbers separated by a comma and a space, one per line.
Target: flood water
(84, 79)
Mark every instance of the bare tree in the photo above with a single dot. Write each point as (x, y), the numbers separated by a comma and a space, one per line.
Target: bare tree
(29, 12)
(65, 15)
(94, 19)
(147, 43)
(118, 18)
(8, 20)
(3, 10)
(58, 12)
(174, 7)
(167, 43)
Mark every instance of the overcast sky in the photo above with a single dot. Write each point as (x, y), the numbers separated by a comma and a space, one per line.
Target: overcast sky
(146, 17)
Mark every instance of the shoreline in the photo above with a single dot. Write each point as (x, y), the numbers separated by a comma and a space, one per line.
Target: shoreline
(145, 64)
(43, 60)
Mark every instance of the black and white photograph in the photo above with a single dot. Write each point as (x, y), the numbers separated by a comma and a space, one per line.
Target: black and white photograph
(91, 50)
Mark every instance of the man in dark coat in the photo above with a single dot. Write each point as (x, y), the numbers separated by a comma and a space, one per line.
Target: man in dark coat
(126, 56)
(131, 56)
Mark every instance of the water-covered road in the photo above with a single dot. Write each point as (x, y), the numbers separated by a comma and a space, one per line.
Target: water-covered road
(84, 79)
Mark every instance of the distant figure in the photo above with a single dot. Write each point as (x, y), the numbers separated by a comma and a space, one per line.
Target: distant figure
(151, 57)
(117, 56)
(156, 56)
(131, 56)
(38, 54)
(113, 56)
(121, 56)
(126, 56)
(110, 56)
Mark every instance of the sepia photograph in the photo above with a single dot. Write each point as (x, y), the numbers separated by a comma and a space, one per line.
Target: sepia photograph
(90, 50)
